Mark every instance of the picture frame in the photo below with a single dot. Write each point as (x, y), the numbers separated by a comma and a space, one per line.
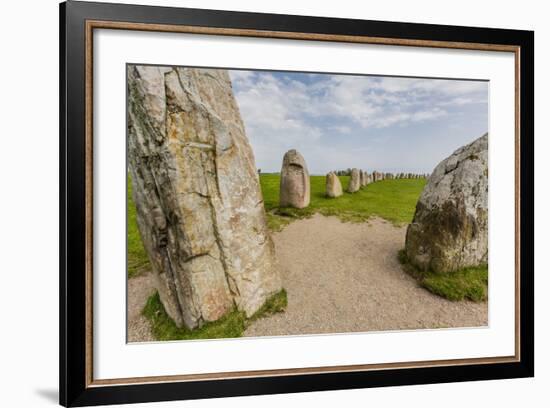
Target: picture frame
(78, 20)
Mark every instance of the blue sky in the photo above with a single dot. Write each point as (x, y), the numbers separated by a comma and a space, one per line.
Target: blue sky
(368, 122)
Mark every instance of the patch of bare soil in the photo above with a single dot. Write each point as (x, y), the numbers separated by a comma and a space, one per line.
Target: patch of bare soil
(345, 277)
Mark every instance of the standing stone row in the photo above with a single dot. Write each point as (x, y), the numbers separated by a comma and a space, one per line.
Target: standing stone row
(295, 189)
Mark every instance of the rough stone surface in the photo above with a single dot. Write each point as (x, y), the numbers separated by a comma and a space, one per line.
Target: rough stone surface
(450, 226)
(334, 187)
(354, 181)
(199, 205)
(294, 187)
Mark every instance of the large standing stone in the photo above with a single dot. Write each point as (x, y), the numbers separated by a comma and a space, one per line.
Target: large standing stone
(294, 187)
(450, 226)
(199, 205)
(334, 187)
(354, 181)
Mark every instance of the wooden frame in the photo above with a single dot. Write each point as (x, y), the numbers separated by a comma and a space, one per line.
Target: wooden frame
(77, 22)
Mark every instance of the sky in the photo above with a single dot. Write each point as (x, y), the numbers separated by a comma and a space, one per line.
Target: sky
(337, 122)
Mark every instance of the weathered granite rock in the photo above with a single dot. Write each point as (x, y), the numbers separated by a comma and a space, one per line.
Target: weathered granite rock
(294, 186)
(334, 187)
(354, 181)
(450, 226)
(362, 178)
(199, 205)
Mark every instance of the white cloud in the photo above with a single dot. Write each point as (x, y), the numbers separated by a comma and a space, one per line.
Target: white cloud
(375, 102)
(285, 110)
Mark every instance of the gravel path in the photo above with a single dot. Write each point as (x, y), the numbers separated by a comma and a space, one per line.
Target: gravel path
(343, 277)
(139, 290)
(340, 277)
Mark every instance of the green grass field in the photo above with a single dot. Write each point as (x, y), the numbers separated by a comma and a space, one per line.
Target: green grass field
(392, 200)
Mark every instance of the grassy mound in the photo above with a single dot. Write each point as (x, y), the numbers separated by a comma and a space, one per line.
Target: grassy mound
(392, 200)
(233, 324)
(468, 283)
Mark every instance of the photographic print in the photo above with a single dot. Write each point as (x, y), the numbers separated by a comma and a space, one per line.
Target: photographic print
(286, 201)
(270, 203)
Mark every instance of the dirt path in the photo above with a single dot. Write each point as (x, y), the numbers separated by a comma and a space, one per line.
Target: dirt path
(139, 290)
(340, 277)
(343, 277)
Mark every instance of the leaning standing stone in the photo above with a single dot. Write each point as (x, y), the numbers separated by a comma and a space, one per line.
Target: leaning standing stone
(294, 188)
(354, 181)
(334, 187)
(197, 194)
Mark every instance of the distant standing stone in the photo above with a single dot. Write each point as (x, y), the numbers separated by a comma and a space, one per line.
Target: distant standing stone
(354, 181)
(334, 187)
(294, 188)
(364, 178)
